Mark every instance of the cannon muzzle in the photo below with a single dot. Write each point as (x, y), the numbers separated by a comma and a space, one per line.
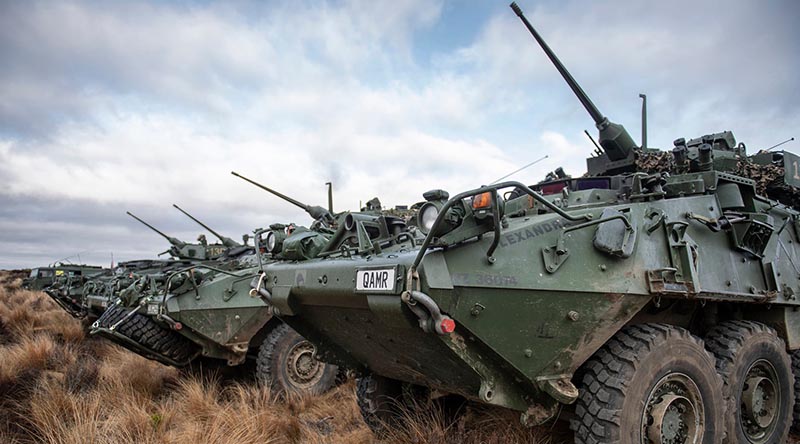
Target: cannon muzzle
(614, 139)
(228, 242)
(176, 242)
(316, 212)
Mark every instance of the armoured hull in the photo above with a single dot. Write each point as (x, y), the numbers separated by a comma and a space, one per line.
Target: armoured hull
(553, 292)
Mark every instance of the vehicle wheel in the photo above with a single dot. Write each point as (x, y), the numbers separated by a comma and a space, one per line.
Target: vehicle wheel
(650, 384)
(796, 372)
(385, 403)
(286, 362)
(149, 334)
(380, 402)
(758, 381)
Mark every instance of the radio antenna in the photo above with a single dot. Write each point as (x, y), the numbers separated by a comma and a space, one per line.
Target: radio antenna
(520, 169)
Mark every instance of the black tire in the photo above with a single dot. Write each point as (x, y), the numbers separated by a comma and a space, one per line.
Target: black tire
(380, 401)
(645, 372)
(386, 403)
(751, 351)
(286, 363)
(796, 372)
(149, 334)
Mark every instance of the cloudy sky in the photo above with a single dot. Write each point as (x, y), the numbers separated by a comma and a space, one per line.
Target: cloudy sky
(114, 106)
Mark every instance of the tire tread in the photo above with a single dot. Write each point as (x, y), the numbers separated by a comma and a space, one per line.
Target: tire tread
(149, 334)
(606, 377)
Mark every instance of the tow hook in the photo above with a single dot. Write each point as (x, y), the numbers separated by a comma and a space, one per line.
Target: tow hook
(431, 319)
(257, 288)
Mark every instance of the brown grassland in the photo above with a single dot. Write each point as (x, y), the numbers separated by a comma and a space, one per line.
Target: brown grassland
(59, 386)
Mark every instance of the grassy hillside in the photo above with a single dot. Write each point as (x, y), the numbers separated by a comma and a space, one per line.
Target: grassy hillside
(59, 386)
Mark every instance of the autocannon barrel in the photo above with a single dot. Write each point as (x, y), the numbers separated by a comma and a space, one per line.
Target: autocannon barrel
(228, 242)
(614, 139)
(176, 242)
(316, 212)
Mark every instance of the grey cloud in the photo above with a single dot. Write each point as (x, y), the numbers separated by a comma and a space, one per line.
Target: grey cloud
(706, 66)
(65, 61)
(35, 230)
(147, 102)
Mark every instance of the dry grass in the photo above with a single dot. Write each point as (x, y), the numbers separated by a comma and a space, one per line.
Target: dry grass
(58, 386)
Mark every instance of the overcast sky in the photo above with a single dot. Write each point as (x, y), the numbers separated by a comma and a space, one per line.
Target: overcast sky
(114, 106)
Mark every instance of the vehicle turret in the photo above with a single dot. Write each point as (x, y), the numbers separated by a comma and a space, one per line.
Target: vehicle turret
(184, 250)
(228, 242)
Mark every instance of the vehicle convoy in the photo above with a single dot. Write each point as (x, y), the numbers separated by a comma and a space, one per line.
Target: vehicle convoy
(42, 277)
(659, 302)
(204, 312)
(87, 295)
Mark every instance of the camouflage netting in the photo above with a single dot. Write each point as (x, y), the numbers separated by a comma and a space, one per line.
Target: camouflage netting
(768, 178)
(654, 162)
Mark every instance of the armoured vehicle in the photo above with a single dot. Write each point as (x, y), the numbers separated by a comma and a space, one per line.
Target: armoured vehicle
(88, 296)
(42, 277)
(205, 313)
(658, 307)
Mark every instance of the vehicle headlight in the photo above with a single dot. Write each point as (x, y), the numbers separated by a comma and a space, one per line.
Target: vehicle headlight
(427, 216)
(273, 241)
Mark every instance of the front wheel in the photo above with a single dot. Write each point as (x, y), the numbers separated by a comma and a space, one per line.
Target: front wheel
(286, 362)
(650, 384)
(380, 402)
(387, 404)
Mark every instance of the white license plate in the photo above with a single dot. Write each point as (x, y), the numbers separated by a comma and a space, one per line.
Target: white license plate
(378, 280)
(152, 309)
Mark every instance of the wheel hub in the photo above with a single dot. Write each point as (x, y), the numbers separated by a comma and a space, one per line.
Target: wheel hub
(674, 412)
(303, 369)
(759, 401)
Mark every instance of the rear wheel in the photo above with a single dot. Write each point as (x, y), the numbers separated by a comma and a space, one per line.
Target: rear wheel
(758, 381)
(286, 362)
(796, 372)
(650, 384)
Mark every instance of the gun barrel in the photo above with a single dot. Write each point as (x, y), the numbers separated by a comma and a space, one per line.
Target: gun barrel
(148, 225)
(615, 140)
(281, 195)
(225, 240)
(176, 242)
(597, 116)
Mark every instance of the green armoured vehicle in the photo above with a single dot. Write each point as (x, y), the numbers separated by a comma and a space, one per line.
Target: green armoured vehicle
(205, 313)
(89, 295)
(84, 295)
(658, 307)
(43, 277)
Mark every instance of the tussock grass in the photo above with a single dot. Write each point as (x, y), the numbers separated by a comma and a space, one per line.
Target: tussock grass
(58, 386)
